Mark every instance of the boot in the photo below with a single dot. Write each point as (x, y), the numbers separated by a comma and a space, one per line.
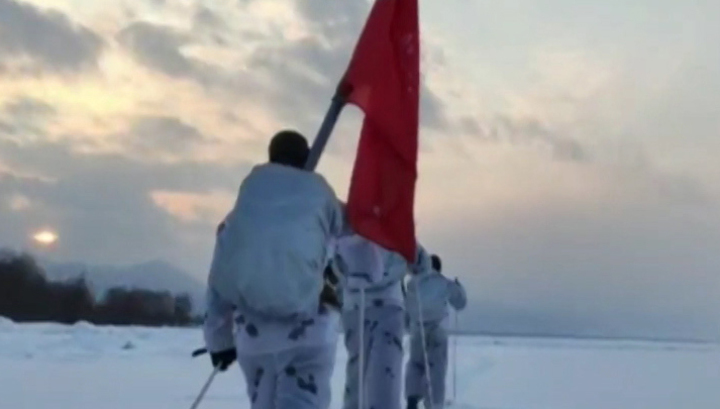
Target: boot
(412, 402)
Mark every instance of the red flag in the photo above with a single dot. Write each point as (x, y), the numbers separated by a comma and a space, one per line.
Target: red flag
(383, 79)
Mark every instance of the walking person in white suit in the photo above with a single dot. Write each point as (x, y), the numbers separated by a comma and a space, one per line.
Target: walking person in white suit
(373, 313)
(429, 293)
(268, 304)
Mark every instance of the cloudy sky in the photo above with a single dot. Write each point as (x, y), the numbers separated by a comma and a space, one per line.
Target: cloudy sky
(568, 167)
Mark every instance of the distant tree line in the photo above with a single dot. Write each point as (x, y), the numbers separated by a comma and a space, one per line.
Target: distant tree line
(27, 295)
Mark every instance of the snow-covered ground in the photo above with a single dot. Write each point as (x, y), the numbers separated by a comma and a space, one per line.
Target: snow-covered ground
(86, 367)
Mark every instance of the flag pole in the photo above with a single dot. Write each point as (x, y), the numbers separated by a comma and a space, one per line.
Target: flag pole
(328, 124)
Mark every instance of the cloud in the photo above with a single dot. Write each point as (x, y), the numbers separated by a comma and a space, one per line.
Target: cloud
(163, 133)
(577, 193)
(305, 71)
(194, 207)
(7, 128)
(532, 131)
(26, 107)
(62, 160)
(205, 18)
(19, 203)
(48, 38)
(628, 272)
(525, 133)
(580, 249)
(470, 126)
(158, 47)
(432, 109)
(103, 206)
(293, 77)
(339, 22)
(25, 116)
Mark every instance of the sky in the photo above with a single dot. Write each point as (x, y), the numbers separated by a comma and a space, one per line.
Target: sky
(568, 170)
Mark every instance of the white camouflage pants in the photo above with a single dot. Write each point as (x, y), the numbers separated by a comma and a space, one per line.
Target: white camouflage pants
(297, 378)
(436, 342)
(383, 356)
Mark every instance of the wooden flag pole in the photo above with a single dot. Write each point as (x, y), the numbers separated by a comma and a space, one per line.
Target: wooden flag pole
(323, 135)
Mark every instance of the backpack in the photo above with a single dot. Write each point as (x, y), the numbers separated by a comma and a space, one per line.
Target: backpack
(271, 253)
(360, 261)
(433, 294)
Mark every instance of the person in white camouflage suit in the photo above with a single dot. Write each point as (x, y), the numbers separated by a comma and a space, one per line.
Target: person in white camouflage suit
(271, 254)
(372, 292)
(428, 296)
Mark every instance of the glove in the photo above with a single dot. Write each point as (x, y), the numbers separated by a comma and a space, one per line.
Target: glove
(223, 359)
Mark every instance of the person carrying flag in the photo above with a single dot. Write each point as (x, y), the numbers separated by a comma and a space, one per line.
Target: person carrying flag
(268, 303)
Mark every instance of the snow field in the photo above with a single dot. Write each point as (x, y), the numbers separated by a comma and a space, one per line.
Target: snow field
(87, 367)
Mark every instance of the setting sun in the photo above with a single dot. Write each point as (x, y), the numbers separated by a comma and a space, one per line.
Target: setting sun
(45, 237)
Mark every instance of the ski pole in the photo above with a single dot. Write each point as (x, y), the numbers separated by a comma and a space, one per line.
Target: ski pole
(423, 338)
(455, 336)
(205, 388)
(361, 363)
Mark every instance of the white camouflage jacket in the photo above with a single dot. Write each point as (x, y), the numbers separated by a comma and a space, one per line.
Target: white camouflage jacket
(436, 292)
(228, 321)
(365, 266)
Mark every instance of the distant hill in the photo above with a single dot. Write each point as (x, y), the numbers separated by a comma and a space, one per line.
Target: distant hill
(154, 275)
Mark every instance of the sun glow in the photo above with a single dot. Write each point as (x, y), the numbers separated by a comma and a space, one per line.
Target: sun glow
(45, 237)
